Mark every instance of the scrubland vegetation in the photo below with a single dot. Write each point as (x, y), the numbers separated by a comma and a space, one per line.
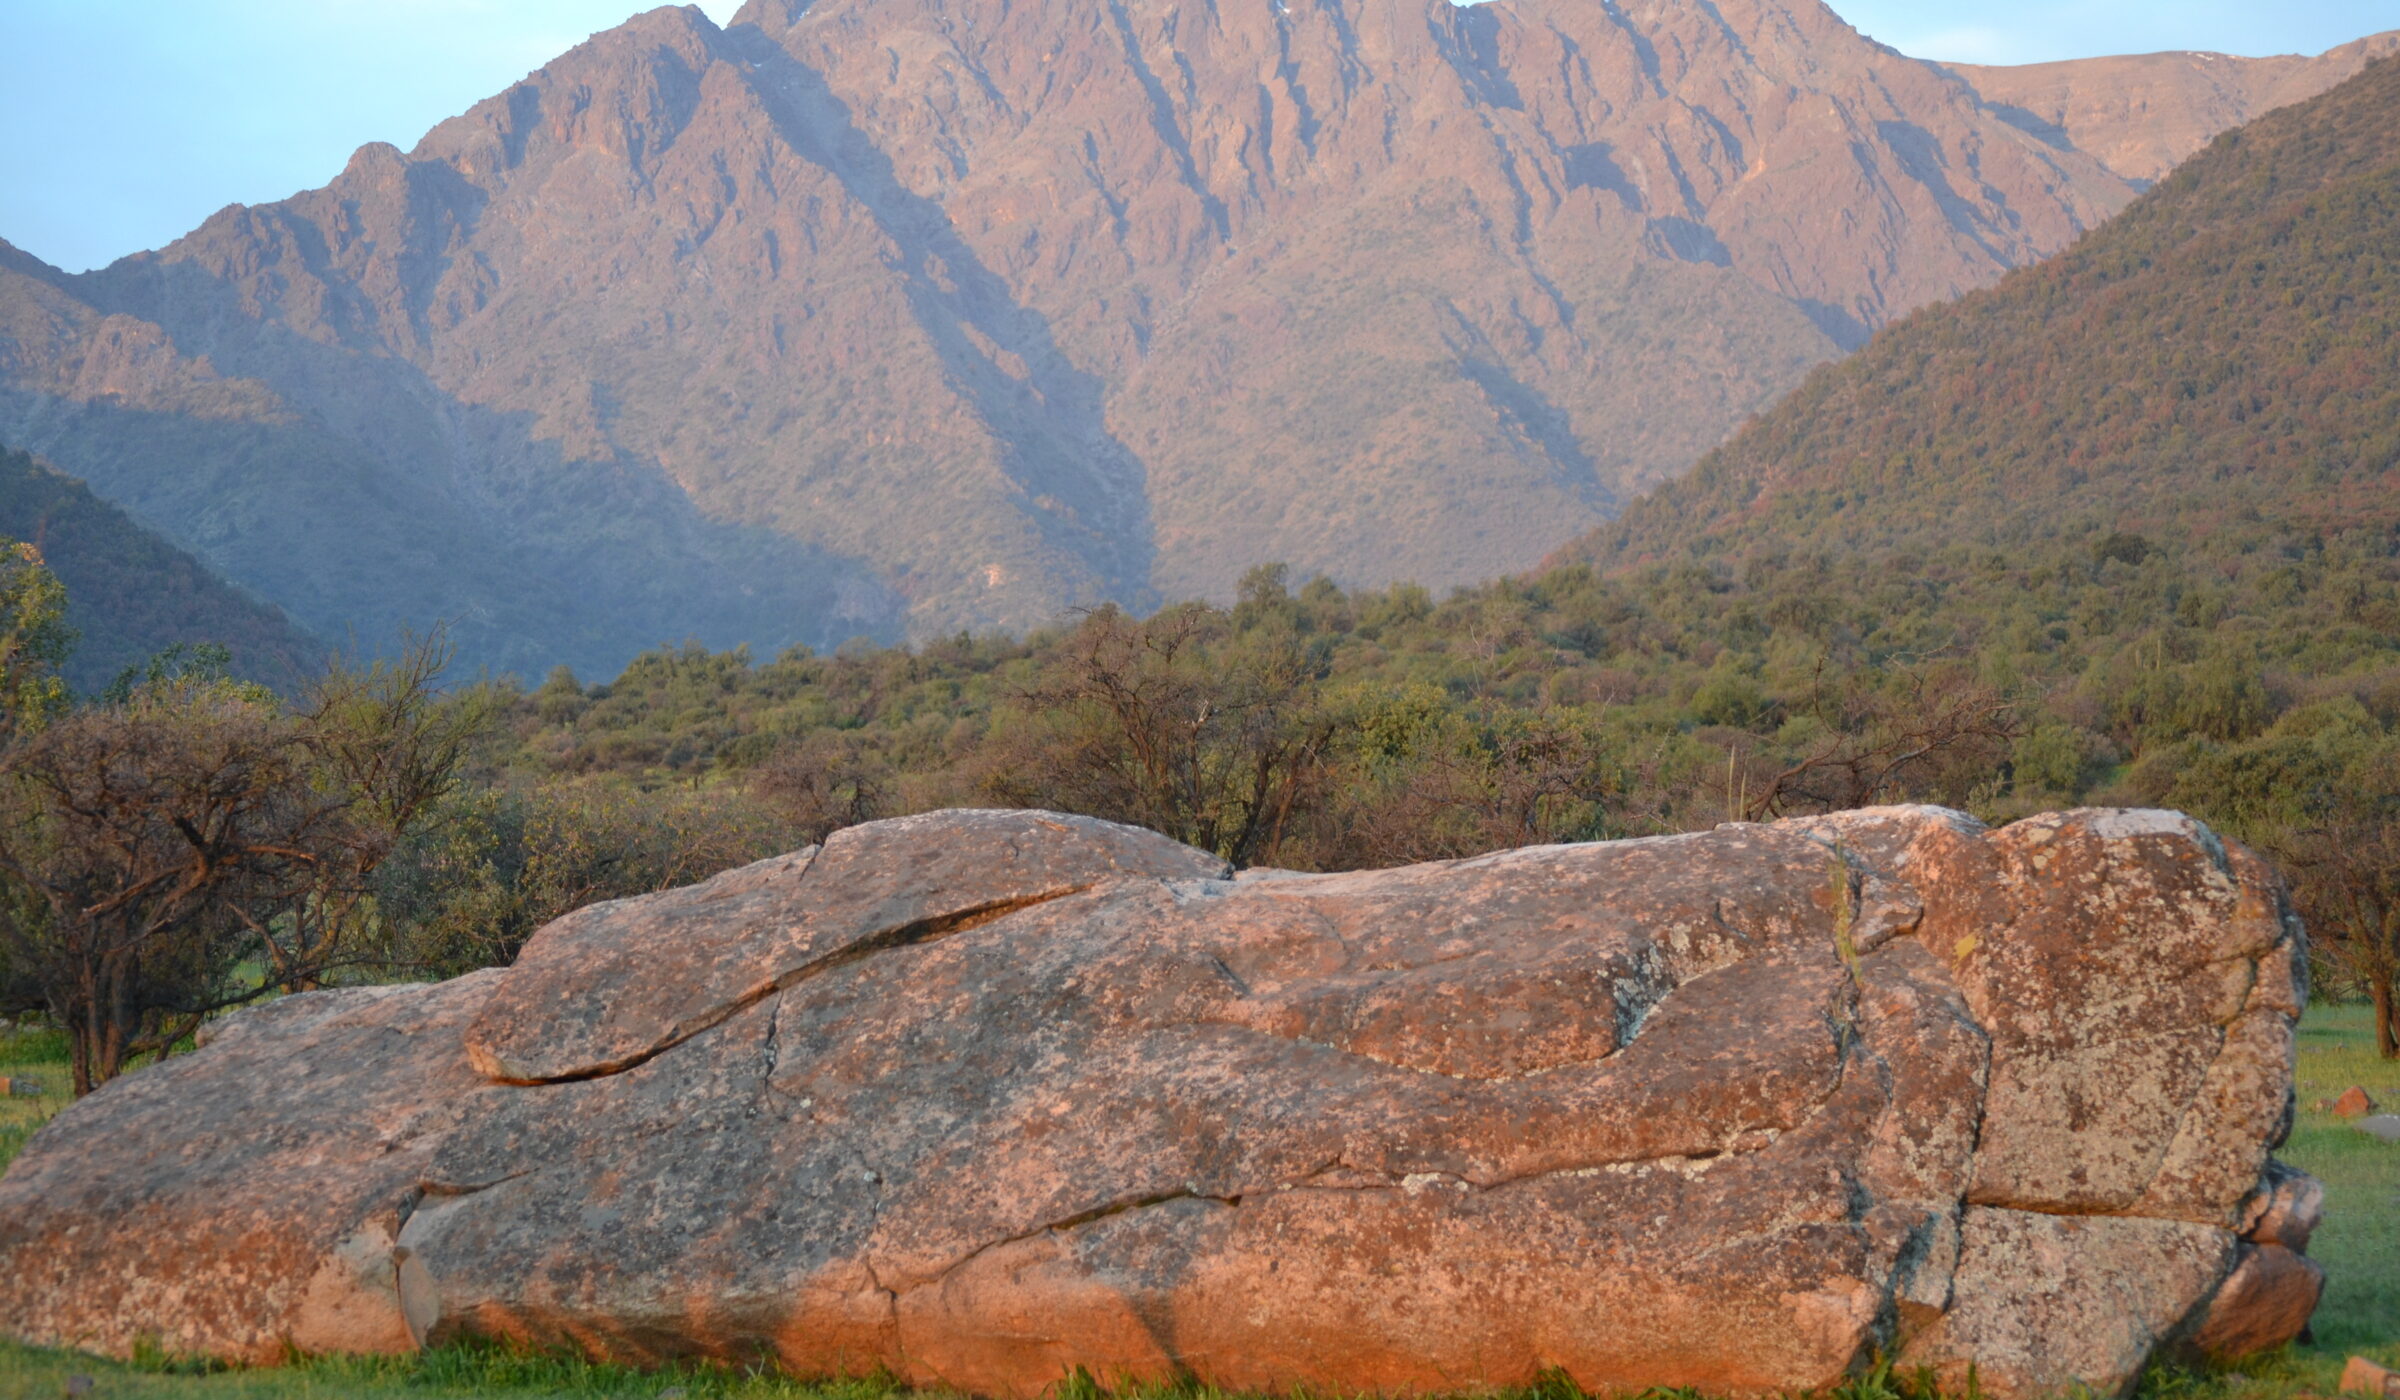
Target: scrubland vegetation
(377, 826)
(2256, 684)
(2115, 531)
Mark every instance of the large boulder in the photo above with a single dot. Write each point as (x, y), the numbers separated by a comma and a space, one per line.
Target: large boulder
(986, 1097)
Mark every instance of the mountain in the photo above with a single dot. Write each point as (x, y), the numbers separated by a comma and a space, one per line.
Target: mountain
(364, 500)
(2144, 114)
(2219, 367)
(893, 317)
(132, 595)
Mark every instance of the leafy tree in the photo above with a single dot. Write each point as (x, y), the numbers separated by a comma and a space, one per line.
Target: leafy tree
(163, 849)
(1181, 724)
(2320, 794)
(34, 641)
(147, 843)
(208, 662)
(830, 780)
(2347, 868)
(387, 746)
(1882, 736)
(468, 887)
(561, 699)
(1420, 781)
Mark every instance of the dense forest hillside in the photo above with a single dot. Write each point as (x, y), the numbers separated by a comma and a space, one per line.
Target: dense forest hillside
(132, 595)
(863, 317)
(2219, 365)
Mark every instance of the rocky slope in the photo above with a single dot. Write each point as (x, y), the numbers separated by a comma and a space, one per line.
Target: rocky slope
(883, 315)
(2219, 367)
(130, 594)
(362, 499)
(988, 1099)
(2144, 114)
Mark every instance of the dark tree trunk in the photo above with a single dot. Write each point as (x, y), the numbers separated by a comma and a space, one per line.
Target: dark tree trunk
(91, 1051)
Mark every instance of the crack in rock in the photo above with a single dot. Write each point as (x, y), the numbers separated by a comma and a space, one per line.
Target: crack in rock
(916, 933)
(1110, 1136)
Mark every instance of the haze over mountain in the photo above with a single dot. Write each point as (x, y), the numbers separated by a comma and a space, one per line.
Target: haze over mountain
(2218, 368)
(885, 316)
(2143, 114)
(132, 595)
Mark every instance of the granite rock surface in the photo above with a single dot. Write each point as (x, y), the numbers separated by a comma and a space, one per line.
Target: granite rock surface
(986, 1097)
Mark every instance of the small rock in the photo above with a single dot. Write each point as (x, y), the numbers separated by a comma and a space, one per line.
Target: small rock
(25, 1089)
(2262, 1305)
(673, 1392)
(80, 1385)
(2287, 1208)
(2382, 1125)
(2364, 1377)
(2353, 1103)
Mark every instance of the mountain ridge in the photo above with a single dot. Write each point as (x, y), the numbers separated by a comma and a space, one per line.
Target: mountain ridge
(853, 318)
(132, 595)
(2215, 366)
(2143, 114)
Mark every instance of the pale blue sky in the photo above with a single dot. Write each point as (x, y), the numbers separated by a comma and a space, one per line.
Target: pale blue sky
(124, 123)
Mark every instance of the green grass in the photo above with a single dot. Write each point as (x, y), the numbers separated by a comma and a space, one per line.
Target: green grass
(39, 1056)
(457, 1371)
(2360, 1243)
(2359, 1246)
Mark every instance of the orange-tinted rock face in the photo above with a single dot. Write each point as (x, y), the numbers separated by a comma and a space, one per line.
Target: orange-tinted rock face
(872, 315)
(2144, 114)
(987, 1097)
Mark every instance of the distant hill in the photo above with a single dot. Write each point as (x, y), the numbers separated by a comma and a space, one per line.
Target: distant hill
(877, 317)
(2142, 115)
(2220, 366)
(340, 495)
(130, 594)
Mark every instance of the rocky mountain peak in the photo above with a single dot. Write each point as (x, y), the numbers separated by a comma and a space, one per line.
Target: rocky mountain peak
(884, 315)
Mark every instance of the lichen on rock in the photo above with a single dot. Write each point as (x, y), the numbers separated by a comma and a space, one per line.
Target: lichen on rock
(986, 1097)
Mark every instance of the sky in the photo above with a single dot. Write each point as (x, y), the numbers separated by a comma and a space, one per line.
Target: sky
(125, 123)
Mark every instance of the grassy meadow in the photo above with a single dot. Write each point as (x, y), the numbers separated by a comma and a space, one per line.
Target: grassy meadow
(2359, 1246)
(2360, 1243)
(41, 1057)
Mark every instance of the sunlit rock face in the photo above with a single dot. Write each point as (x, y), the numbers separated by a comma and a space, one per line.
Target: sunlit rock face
(986, 1097)
(897, 316)
(2141, 115)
